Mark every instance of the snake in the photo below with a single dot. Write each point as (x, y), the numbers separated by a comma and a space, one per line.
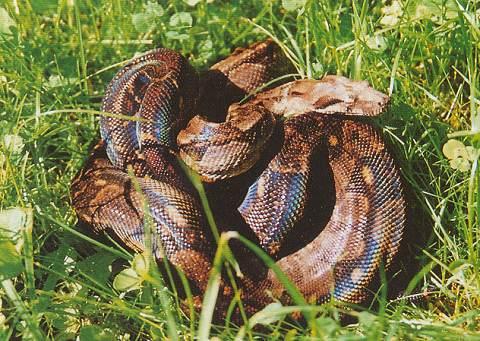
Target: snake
(160, 111)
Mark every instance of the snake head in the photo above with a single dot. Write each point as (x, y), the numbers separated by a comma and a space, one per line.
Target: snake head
(332, 94)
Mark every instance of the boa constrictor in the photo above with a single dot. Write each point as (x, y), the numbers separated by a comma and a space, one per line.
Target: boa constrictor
(162, 93)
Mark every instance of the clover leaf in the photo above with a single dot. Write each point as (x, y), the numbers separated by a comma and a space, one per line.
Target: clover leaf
(147, 19)
(132, 278)
(127, 280)
(459, 155)
(291, 5)
(181, 19)
(191, 3)
(6, 22)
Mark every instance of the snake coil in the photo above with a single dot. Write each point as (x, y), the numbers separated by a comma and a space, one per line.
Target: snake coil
(162, 92)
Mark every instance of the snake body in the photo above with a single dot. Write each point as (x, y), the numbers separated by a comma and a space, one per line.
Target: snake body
(162, 92)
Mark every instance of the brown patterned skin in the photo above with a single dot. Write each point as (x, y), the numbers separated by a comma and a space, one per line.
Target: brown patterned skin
(158, 88)
(221, 150)
(366, 224)
(368, 217)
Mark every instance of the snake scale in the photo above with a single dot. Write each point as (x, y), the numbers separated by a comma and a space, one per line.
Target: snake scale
(169, 104)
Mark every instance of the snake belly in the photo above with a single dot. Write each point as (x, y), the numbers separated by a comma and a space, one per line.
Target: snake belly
(133, 172)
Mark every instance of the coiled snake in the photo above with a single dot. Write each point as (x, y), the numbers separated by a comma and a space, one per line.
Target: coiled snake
(162, 92)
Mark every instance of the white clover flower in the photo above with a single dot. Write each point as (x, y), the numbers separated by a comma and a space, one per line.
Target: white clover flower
(13, 143)
(391, 14)
(12, 222)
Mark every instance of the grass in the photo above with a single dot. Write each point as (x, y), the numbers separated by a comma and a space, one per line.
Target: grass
(56, 58)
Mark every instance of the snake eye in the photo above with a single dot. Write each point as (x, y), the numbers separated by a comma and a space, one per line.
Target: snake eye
(296, 93)
(324, 102)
